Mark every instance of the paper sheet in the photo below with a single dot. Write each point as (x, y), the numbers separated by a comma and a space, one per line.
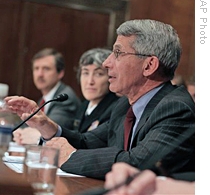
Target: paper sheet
(16, 162)
(18, 167)
(13, 147)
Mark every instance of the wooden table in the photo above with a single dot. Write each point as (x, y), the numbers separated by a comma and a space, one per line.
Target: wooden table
(17, 185)
(12, 183)
(74, 185)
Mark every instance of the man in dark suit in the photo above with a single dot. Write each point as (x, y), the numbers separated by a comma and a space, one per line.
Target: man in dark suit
(48, 69)
(145, 55)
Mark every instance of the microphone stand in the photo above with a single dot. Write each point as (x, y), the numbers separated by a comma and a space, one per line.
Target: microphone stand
(32, 115)
(60, 98)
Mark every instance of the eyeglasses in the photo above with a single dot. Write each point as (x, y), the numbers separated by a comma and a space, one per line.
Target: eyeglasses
(117, 53)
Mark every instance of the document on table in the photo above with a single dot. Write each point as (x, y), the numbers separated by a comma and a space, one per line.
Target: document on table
(18, 167)
(16, 162)
(14, 147)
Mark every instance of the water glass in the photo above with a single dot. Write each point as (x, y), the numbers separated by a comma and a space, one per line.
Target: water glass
(5, 138)
(6, 128)
(8, 120)
(40, 167)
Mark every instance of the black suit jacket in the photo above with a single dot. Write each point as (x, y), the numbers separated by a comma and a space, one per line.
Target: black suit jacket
(99, 115)
(166, 131)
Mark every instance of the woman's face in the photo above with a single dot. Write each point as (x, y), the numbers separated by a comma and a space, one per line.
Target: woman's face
(94, 83)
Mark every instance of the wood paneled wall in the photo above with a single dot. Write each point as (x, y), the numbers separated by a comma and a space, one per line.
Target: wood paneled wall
(70, 26)
(30, 25)
(179, 14)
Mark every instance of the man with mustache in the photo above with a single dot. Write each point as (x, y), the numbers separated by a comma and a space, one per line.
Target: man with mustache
(48, 69)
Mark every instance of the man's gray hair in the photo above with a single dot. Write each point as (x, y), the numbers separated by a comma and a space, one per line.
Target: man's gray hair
(155, 38)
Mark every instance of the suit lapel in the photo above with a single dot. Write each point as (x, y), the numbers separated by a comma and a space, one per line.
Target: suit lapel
(167, 88)
(58, 91)
(117, 122)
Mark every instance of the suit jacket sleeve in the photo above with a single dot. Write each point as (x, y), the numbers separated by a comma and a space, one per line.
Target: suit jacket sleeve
(165, 131)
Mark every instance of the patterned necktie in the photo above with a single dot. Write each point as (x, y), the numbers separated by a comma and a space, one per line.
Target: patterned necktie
(41, 103)
(128, 124)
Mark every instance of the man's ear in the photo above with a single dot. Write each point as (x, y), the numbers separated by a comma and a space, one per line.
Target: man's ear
(61, 74)
(151, 64)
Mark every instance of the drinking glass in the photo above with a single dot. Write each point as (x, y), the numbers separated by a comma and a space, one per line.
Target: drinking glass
(6, 127)
(40, 167)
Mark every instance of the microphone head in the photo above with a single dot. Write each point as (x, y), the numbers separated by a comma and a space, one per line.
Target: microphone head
(62, 97)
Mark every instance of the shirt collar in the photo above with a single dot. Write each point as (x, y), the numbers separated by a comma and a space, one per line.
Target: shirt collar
(139, 106)
(51, 93)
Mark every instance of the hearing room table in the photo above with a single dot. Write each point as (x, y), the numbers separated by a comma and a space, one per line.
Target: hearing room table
(12, 181)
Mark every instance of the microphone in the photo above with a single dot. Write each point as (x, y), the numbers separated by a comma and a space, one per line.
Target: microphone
(60, 98)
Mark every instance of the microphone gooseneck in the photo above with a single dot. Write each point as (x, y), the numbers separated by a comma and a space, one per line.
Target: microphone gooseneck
(60, 98)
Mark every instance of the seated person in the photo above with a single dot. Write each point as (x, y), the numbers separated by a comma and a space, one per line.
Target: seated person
(99, 100)
(178, 80)
(48, 67)
(191, 86)
(144, 182)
